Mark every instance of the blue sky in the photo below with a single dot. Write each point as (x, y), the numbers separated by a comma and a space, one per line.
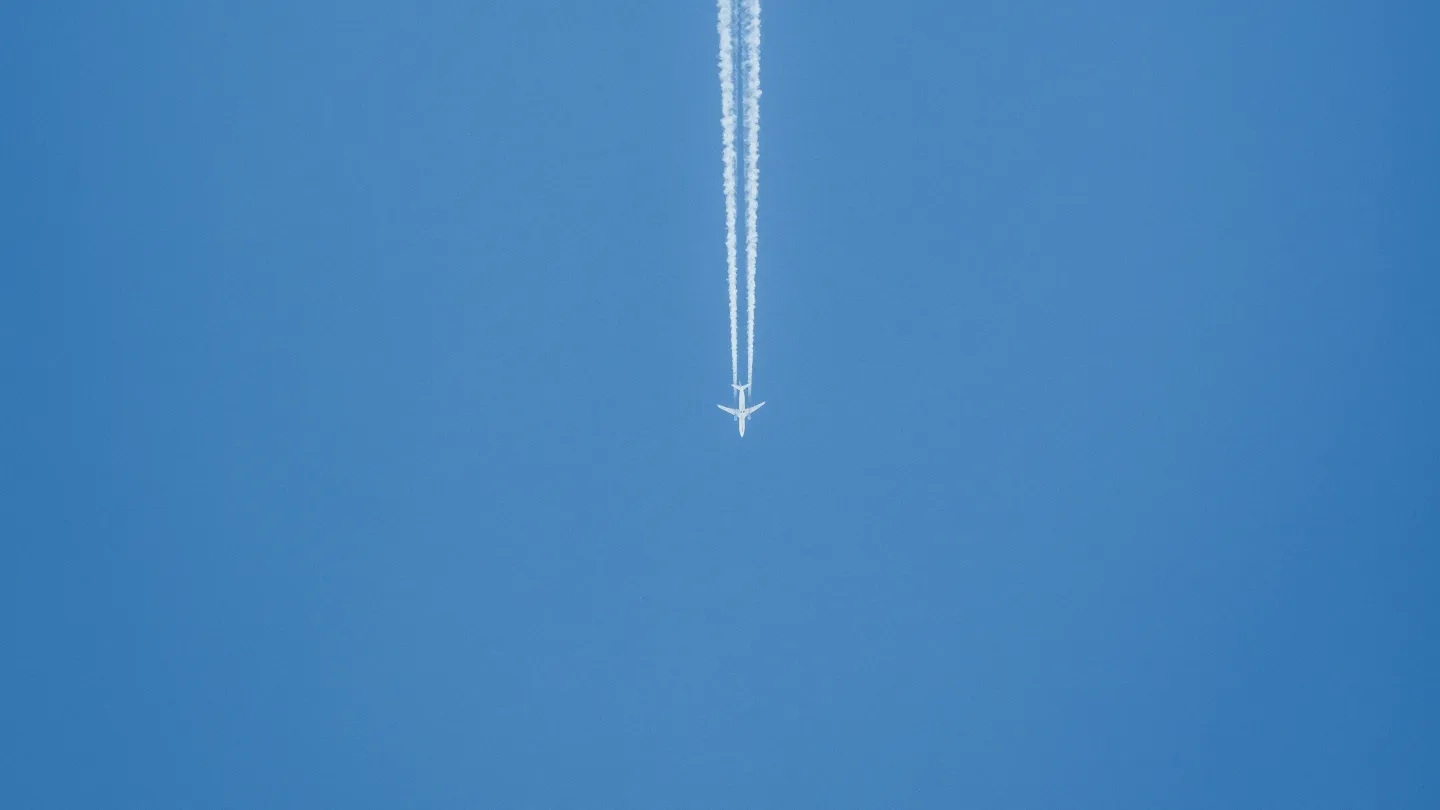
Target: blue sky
(363, 451)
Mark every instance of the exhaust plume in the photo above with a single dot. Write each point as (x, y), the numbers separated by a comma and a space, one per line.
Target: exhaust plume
(727, 122)
(751, 64)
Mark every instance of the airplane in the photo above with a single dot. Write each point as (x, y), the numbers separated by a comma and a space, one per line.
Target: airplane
(741, 413)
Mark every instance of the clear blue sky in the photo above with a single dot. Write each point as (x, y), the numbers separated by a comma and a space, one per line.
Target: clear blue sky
(360, 435)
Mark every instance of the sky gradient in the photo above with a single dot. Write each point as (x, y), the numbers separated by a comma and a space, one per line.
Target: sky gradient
(361, 437)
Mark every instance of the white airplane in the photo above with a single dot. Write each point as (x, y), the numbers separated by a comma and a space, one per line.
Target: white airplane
(741, 413)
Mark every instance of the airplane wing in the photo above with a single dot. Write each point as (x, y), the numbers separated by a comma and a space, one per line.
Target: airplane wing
(730, 411)
(753, 408)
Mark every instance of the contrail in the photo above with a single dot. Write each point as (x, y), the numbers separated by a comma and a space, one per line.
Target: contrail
(727, 122)
(751, 60)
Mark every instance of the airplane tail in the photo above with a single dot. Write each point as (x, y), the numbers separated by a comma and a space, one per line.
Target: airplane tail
(738, 388)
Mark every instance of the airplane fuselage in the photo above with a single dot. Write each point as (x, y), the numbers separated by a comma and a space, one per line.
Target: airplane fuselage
(740, 411)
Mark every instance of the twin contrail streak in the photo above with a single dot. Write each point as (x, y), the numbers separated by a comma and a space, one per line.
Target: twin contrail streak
(751, 65)
(727, 122)
(748, 45)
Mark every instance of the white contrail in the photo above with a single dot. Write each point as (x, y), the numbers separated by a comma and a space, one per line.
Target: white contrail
(727, 122)
(752, 170)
